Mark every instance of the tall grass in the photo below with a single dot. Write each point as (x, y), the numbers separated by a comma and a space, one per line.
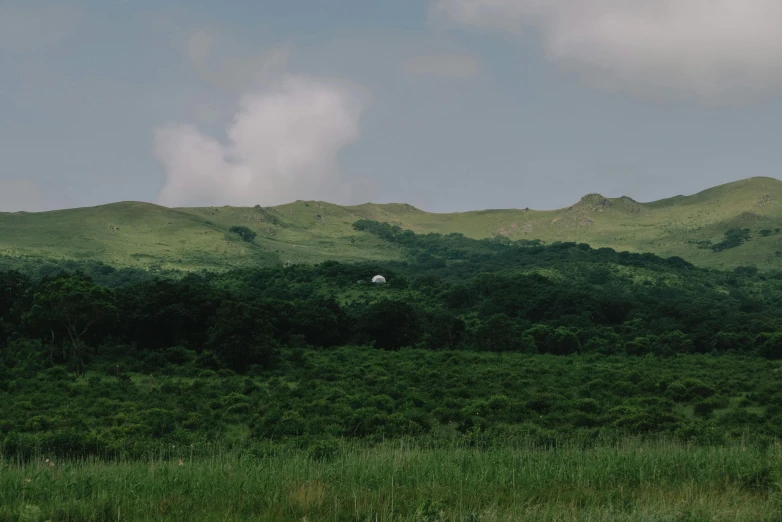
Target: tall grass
(632, 480)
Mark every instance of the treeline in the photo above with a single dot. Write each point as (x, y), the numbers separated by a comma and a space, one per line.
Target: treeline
(36, 268)
(436, 249)
(453, 293)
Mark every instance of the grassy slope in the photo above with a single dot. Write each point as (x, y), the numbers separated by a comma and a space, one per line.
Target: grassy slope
(668, 227)
(303, 231)
(125, 233)
(143, 234)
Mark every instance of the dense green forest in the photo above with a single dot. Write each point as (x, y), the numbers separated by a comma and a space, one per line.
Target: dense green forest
(471, 339)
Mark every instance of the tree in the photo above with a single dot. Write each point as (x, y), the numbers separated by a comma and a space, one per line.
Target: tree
(13, 288)
(69, 308)
(241, 336)
(391, 324)
(671, 343)
(3, 334)
(322, 322)
(444, 331)
(497, 334)
(733, 238)
(243, 232)
(161, 314)
(543, 336)
(770, 345)
(565, 342)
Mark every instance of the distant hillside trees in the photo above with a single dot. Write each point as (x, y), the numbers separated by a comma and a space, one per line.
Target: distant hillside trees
(733, 238)
(243, 232)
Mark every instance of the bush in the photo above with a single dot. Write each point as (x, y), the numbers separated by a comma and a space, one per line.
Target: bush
(323, 449)
(704, 408)
(733, 238)
(243, 232)
(179, 355)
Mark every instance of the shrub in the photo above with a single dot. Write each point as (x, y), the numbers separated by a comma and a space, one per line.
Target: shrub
(243, 232)
(733, 238)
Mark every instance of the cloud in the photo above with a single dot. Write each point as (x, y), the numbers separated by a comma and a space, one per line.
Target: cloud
(25, 29)
(451, 66)
(717, 52)
(281, 146)
(20, 195)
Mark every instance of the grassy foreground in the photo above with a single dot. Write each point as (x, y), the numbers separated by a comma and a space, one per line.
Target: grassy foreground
(633, 480)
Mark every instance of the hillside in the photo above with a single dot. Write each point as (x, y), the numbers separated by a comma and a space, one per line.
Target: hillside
(146, 235)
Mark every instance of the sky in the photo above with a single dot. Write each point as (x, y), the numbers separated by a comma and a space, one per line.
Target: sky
(448, 105)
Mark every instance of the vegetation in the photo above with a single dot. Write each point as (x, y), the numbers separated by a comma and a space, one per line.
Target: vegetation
(243, 232)
(735, 237)
(489, 379)
(303, 353)
(190, 239)
(129, 404)
(628, 481)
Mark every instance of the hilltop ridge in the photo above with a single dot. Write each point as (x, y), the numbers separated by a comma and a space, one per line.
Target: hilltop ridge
(143, 234)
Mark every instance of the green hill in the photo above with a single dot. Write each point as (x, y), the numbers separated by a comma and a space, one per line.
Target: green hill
(146, 235)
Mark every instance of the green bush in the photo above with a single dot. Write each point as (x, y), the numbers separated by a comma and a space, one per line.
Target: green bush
(243, 232)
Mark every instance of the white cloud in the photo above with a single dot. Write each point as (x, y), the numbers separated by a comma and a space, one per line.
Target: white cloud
(20, 195)
(715, 51)
(281, 146)
(452, 66)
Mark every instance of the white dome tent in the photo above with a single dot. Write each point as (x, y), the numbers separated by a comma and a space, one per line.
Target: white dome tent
(378, 279)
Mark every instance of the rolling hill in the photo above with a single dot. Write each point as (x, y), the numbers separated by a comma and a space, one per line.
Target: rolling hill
(146, 235)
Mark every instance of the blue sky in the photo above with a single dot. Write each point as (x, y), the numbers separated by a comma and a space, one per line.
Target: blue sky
(448, 105)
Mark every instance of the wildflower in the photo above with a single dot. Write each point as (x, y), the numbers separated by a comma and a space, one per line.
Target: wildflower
(27, 480)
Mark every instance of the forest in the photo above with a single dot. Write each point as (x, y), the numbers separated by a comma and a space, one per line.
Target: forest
(450, 340)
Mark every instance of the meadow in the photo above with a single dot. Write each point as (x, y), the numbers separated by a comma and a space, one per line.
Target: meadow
(631, 480)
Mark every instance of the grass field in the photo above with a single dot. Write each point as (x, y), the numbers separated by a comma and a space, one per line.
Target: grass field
(630, 481)
(145, 235)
